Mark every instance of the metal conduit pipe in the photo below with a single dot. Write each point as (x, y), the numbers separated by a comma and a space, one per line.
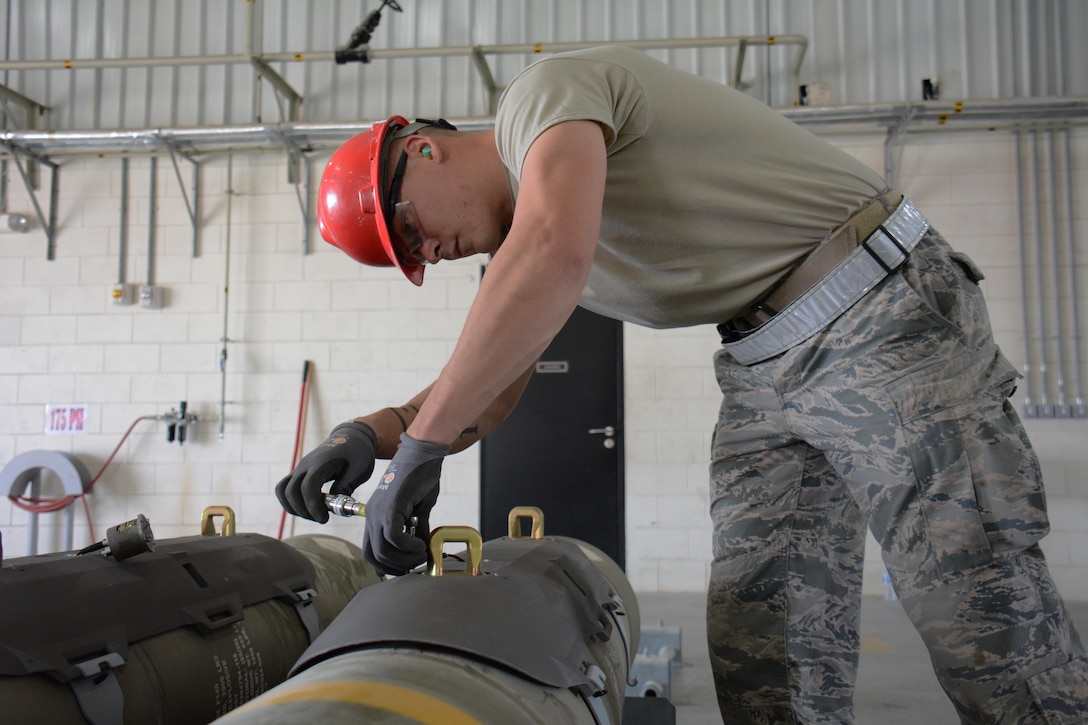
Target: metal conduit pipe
(931, 116)
(1022, 57)
(1040, 293)
(226, 301)
(1061, 410)
(435, 52)
(1050, 311)
(1031, 410)
(152, 193)
(122, 232)
(476, 52)
(1080, 410)
(1069, 259)
(1054, 80)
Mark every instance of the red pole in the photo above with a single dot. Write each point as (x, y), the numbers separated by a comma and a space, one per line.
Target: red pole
(300, 429)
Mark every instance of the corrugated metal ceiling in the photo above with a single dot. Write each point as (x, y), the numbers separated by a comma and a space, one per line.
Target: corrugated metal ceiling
(187, 62)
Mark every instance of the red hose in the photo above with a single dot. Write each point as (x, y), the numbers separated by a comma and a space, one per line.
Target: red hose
(300, 429)
(49, 505)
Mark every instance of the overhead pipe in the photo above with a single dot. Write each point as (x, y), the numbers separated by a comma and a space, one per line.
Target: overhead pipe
(372, 54)
(261, 62)
(930, 116)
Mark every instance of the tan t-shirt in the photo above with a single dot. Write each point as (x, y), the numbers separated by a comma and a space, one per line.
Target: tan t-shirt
(710, 197)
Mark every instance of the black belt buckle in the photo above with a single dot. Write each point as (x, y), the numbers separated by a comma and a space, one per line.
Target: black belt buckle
(879, 260)
(731, 333)
(752, 319)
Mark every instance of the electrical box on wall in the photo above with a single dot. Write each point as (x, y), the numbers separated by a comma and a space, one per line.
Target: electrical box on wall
(151, 296)
(123, 294)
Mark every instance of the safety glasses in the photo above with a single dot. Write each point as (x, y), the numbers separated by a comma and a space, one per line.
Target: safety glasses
(408, 232)
(404, 224)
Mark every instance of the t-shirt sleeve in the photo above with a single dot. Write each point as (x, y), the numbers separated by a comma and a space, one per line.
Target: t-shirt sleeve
(558, 89)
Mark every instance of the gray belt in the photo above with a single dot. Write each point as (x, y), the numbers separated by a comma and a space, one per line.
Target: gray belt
(871, 261)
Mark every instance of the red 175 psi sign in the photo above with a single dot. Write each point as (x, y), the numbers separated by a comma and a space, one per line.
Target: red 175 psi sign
(65, 419)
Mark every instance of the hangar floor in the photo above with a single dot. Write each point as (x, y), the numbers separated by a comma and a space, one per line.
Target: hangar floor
(896, 685)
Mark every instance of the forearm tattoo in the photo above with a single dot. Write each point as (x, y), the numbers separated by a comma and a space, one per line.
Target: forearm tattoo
(404, 409)
(403, 423)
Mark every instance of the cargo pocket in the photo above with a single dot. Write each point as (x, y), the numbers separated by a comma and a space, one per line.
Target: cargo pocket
(977, 482)
(946, 282)
(968, 266)
(1062, 692)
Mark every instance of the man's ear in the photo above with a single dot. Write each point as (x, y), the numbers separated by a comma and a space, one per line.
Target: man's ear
(423, 147)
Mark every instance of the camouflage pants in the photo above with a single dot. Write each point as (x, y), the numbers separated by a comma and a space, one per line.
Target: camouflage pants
(895, 415)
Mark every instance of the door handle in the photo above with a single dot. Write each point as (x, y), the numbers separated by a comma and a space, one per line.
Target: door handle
(607, 430)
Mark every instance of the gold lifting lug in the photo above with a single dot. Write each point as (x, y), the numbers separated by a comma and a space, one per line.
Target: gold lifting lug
(535, 515)
(207, 523)
(455, 534)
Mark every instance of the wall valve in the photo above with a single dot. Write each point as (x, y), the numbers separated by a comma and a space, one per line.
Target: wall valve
(177, 421)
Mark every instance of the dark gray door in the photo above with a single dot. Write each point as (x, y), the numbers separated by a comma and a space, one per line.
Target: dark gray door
(561, 449)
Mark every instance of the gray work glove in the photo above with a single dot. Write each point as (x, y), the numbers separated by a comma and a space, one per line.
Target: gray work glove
(346, 458)
(408, 489)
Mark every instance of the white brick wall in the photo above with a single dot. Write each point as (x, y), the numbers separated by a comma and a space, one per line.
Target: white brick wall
(375, 340)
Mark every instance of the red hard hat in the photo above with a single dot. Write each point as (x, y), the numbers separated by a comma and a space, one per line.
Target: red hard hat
(351, 204)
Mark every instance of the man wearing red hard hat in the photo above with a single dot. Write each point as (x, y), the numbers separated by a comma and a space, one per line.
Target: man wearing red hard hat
(356, 214)
(860, 381)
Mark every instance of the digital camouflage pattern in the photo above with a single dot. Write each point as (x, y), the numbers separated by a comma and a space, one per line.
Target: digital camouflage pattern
(896, 414)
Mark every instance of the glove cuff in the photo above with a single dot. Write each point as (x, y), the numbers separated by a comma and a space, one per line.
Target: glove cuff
(358, 427)
(424, 450)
